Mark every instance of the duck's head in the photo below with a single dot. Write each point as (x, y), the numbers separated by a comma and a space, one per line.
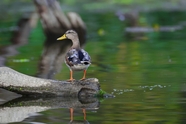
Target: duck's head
(70, 34)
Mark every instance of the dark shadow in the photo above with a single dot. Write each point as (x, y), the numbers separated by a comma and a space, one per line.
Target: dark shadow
(19, 36)
(182, 107)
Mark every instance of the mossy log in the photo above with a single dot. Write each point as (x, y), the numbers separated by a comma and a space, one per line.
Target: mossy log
(31, 86)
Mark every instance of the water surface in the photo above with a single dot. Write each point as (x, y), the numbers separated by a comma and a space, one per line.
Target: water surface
(145, 71)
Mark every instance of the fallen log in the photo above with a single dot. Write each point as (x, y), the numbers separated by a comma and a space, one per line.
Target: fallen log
(31, 86)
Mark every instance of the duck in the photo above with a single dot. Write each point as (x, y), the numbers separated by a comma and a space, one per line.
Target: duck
(77, 59)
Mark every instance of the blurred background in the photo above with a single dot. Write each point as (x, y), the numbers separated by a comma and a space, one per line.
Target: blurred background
(137, 50)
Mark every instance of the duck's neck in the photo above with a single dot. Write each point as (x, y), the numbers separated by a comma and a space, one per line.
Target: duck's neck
(75, 43)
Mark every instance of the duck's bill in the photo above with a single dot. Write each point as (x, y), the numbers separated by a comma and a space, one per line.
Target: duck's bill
(62, 37)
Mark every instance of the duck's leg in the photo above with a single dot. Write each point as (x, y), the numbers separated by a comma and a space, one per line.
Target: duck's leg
(71, 76)
(84, 114)
(84, 75)
(71, 114)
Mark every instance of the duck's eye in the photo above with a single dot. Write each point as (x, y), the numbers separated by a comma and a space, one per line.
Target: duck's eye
(70, 32)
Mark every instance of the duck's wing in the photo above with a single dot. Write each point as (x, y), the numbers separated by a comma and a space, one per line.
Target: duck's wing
(72, 57)
(84, 57)
(75, 56)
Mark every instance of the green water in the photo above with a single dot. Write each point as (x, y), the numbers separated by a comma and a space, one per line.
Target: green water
(146, 74)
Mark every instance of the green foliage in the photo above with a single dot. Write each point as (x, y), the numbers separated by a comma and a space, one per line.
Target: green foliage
(101, 93)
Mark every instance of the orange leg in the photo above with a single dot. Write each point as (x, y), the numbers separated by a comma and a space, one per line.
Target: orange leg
(84, 74)
(71, 76)
(71, 114)
(84, 114)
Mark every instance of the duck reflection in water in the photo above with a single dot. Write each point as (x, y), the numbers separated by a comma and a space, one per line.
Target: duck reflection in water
(72, 117)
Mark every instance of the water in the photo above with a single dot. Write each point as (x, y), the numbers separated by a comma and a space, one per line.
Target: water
(145, 71)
